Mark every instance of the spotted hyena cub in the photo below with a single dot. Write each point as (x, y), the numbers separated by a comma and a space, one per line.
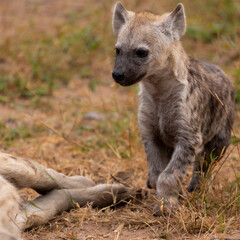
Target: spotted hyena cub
(186, 106)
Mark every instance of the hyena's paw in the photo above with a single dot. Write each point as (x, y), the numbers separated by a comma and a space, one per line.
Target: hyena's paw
(167, 195)
(107, 194)
(165, 206)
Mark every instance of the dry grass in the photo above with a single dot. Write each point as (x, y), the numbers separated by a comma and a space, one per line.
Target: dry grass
(55, 66)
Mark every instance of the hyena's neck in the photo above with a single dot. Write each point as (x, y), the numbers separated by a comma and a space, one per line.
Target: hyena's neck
(178, 63)
(173, 75)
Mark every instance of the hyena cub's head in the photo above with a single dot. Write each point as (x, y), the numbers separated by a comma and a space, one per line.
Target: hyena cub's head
(144, 42)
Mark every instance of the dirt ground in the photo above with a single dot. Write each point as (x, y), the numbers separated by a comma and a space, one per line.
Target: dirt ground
(51, 124)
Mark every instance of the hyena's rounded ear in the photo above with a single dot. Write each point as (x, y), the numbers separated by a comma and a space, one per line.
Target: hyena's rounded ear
(175, 23)
(120, 17)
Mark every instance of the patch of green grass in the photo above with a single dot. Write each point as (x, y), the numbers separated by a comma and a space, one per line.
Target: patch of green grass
(206, 34)
(224, 22)
(10, 135)
(50, 60)
(92, 85)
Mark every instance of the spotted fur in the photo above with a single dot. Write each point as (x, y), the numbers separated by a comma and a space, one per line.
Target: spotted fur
(186, 106)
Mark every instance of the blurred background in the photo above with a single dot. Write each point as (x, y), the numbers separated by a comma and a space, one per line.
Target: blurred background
(45, 44)
(60, 106)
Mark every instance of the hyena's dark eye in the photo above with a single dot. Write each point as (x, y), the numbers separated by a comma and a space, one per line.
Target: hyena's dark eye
(117, 51)
(142, 53)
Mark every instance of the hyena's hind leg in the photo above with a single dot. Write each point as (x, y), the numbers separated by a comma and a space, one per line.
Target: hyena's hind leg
(9, 210)
(30, 174)
(213, 150)
(197, 171)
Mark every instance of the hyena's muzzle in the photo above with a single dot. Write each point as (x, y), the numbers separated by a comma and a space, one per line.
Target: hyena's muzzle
(128, 69)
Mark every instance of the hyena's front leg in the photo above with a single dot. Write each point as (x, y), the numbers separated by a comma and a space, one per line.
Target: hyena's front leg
(30, 174)
(46, 207)
(158, 156)
(168, 182)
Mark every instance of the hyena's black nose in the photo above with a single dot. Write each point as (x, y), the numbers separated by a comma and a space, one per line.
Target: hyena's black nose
(118, 76)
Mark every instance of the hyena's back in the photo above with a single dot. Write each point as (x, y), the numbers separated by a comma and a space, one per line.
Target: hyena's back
(211, 96)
